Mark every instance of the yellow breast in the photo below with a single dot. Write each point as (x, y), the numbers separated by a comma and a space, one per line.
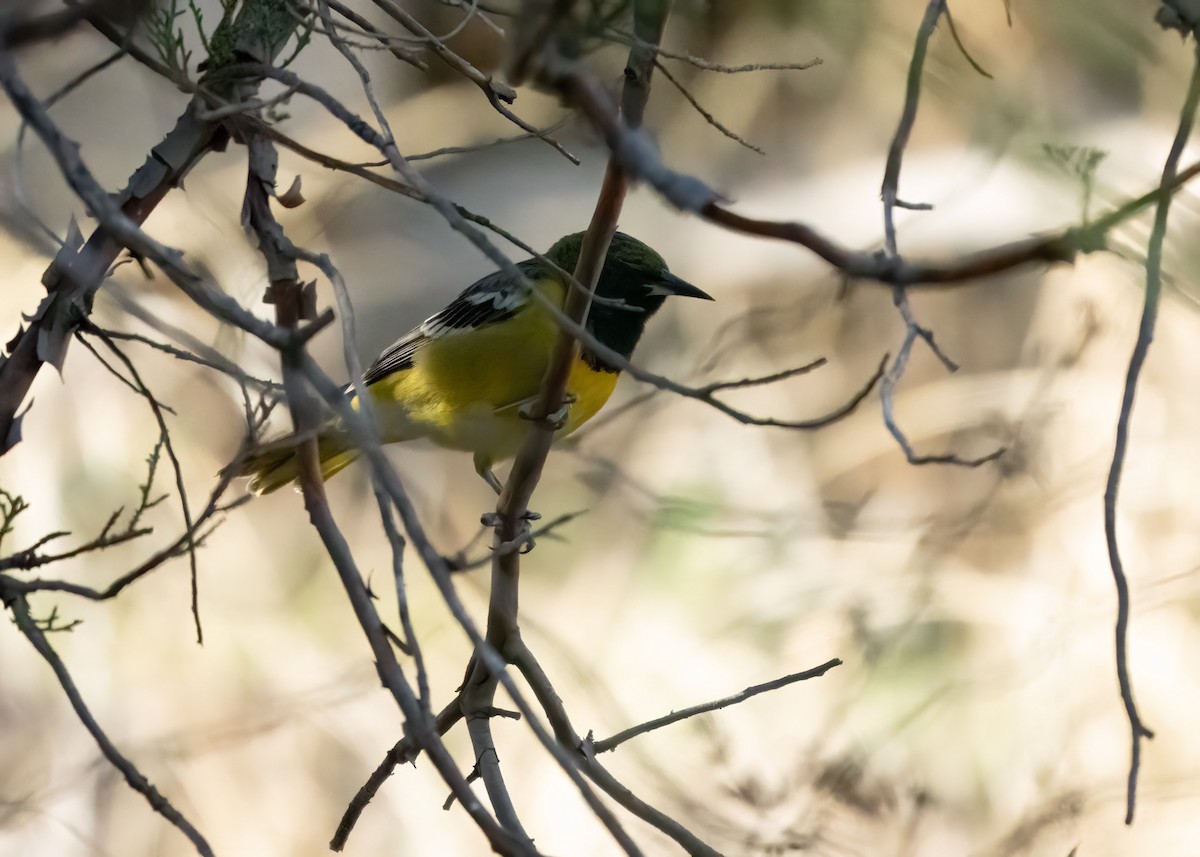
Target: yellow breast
(465, 390)
(590, 390)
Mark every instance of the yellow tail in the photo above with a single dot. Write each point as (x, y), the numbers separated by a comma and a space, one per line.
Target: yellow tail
(276, 464)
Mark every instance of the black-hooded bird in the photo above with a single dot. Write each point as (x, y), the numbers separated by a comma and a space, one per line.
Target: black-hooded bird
(463, 376)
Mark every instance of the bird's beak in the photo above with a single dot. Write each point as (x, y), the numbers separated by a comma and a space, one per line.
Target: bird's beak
(669, 284)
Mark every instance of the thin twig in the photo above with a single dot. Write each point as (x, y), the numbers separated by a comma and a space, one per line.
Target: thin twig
(480, 147)
(189, 526)
(498, 95)
(914, 331)
(135, 778)
(524, 659)
(1138, 730)
(703, 708)
(962, 49)
(405, 750)
(395, 539)
(708, 117)
(176, 548)
(225, 367)
(709, 65)
(374, 32)
(29, 558)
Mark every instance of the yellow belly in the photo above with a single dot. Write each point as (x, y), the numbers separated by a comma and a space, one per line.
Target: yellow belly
(478, 426)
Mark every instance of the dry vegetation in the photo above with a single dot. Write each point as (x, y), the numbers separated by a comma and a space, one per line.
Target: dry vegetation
(949, 533)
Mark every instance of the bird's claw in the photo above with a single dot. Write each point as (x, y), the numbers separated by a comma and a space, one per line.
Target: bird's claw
(523, 541)
(556, 420)
(493, 519)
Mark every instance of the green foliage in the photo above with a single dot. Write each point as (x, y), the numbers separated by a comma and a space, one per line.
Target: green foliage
(11, 505)
(1079, 163)
(161, 25)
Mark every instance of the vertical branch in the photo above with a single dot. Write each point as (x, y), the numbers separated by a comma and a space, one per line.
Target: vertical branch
(383, 501)
(1137, 728)
(294, 302)
(912, 97)
(546, 416)
(889, 192)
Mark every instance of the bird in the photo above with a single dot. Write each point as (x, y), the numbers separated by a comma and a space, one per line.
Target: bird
(464, 376)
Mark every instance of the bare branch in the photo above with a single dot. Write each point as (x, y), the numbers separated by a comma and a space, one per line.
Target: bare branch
(157, 409)
(178, 547)
(621, 737)
(291, 305)
(78, 272)
(524, 659)
(135, 778)
(962, 49)
(709, 65)
(708, 117)
(890, 194)
(497, 94)
(404, 751)
(383, 38)
(1138, 730)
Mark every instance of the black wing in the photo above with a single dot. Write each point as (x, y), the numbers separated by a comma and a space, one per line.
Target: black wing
(493, 299)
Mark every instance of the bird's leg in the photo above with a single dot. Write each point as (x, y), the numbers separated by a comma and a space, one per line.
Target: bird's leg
(483, 466)
(556, 420)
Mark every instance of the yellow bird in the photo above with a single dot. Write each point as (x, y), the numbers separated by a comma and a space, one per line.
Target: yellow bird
(462, 377)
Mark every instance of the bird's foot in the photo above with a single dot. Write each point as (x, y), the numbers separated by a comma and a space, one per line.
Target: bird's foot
(493, 519)
(556, 420)
(523, 542)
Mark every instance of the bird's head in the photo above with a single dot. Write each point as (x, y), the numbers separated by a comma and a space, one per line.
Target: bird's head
(633, 285)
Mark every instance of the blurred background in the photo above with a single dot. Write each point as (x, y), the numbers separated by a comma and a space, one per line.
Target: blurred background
(977, 710)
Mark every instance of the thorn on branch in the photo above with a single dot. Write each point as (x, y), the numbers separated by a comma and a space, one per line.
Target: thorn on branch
(396, 641)
(450, 798)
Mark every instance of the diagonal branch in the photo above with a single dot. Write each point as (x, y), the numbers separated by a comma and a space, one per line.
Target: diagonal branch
(621, 737)
(258, 29)
(136, 779)
(543, 689)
